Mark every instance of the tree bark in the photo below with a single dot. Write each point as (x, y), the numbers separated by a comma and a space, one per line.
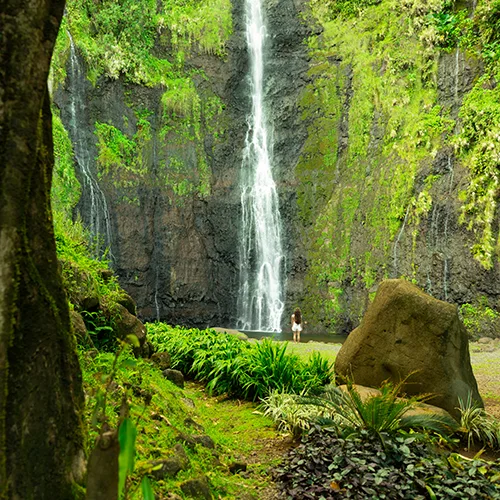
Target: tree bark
(41, 433)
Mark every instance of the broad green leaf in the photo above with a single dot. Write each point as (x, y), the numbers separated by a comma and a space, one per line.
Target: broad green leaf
(126, 437)
(147, 490)
(133, 340)
(432, 495)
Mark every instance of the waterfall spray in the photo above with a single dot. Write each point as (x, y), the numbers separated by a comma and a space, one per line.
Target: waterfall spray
(260, 301)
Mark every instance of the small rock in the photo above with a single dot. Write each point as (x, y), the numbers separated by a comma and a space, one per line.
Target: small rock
(170, 467)
(161, 360)
(188, 402)
(192, 441)
(197, 488)
(236, 467)
(189, 422)
(78, 326)
(246, 496)
(128, 303)
(106, 274)
(175, 376)
(235, 333)
(180, 453)
(173, 496)
(205, 441)
(485, 340)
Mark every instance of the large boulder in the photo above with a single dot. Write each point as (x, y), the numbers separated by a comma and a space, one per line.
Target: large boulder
(407, 335)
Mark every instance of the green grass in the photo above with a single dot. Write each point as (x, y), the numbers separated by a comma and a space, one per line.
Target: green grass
(304, 350)
(238, 431)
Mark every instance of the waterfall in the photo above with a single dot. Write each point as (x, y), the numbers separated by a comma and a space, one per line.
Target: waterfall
(260, 300)
(98, 220)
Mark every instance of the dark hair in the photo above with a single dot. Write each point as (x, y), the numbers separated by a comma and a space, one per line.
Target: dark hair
(298, 316)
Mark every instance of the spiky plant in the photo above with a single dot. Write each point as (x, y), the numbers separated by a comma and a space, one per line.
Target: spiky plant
(386, 412)
(478, 426)
(289, 412)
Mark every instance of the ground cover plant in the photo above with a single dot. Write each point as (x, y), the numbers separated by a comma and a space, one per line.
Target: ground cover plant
(350, 413)
(400, 465)
(241, 369)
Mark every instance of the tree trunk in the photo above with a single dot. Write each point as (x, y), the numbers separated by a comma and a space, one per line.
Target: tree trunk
(41, 433)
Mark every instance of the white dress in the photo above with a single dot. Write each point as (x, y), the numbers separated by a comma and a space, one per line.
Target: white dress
(296, 327)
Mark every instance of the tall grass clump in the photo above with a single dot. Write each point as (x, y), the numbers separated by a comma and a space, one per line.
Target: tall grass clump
(237, 368)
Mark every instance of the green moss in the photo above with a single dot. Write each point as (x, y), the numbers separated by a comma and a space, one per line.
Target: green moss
(480, 319)
(125, 38)
(373, 78)
(478, 145)
(66, 189)
(161, 412)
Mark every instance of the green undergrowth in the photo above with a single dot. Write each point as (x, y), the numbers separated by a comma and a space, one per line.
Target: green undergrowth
(163, 414)
(145, 41)
(90, 285)
(480, 319)
(237, 368)
(150, 44)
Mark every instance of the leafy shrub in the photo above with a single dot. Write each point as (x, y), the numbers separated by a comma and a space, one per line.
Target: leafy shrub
(480, 320)
(328, 466)
(290, 413)
(100, 330)
(237, 368)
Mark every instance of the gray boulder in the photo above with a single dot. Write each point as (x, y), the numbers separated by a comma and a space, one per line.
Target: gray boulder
(161, 360)
(411, 336)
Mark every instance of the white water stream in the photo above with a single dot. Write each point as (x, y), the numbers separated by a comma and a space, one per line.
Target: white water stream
(260, 300)
(98, 219)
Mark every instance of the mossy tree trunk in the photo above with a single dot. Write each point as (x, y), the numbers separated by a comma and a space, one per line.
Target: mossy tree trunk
(41, 435)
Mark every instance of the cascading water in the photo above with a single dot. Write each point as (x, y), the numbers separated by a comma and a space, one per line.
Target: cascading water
(260, 301)
(98, 219)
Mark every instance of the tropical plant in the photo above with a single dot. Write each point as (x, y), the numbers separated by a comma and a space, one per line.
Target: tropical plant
(289, 413)
(351, 413)
(100, 330)
(228, 365)
(477, 426)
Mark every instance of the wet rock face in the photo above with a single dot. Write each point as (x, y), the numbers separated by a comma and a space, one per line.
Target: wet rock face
(178, 258)
(407, 335)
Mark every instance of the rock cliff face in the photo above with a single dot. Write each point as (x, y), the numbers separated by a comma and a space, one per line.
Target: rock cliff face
(174, 214)
(390, 182)
(372, 152)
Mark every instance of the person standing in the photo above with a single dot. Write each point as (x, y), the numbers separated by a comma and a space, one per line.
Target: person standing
(296, 324)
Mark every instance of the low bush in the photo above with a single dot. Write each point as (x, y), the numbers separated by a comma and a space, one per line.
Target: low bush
(350, 414)
(478, 427)
(230, 366)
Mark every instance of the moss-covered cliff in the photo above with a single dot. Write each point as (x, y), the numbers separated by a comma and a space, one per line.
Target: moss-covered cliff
(399, 174)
